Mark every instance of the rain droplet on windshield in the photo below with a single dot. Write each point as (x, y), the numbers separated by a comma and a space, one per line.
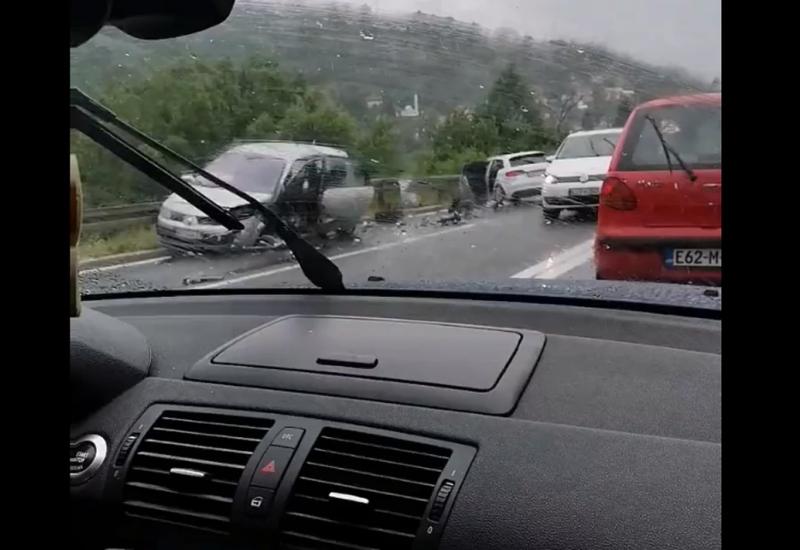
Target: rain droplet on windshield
(127, 54)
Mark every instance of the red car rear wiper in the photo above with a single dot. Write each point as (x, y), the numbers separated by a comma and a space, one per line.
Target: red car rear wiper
(669, 149)
(90, 118)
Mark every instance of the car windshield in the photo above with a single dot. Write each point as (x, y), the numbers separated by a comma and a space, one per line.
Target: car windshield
(249, 173)
(581, 146)
(393, 137)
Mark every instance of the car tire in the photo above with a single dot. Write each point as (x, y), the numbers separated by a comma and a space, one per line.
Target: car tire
(551, 213)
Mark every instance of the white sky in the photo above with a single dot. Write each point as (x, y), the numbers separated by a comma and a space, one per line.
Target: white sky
(684, 33)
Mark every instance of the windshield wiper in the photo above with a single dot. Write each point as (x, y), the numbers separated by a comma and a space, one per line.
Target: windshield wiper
(89, 116)
(591, 144)
(669, 149)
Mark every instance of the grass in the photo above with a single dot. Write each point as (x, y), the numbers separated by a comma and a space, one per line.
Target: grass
(128, 240)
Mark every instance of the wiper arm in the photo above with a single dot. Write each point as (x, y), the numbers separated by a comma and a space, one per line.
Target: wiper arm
(88, 116)
(591, 144)
(669, 149)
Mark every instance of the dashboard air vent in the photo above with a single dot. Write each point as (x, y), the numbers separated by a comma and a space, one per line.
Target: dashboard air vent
(186, 469)
(361, 491)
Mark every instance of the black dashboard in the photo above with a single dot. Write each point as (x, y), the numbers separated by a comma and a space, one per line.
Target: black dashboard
(314, 421)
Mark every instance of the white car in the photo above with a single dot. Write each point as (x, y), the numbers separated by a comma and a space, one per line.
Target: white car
(574, 176)
(522, 177)
(312, 187)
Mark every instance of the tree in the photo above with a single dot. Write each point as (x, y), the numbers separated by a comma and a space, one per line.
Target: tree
(510, 100)
(316, 119)
(624, 109)
(377, 149)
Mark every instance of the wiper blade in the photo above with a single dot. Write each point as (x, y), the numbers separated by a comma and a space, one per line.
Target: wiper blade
(88, 116)
(669, 149)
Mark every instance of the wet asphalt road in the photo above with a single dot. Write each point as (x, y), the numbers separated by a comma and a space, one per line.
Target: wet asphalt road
(514, 241)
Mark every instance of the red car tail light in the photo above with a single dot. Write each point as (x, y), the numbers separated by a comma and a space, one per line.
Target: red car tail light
(615, 194)
(514, 173)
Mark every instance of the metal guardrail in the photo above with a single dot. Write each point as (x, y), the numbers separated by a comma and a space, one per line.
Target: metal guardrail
(115, 218)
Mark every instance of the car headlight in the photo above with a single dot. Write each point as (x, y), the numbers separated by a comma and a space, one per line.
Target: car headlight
(550, 178)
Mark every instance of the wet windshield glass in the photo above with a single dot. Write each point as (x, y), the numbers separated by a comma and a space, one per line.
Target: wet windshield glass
(250, 173)
(398, 138)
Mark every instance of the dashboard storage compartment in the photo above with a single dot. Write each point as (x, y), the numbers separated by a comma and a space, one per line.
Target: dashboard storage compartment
(461, 367)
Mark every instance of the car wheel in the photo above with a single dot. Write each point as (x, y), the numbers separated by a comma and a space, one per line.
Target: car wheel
(550, 213)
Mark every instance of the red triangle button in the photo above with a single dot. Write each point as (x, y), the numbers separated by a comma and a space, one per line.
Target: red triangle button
(269, 468)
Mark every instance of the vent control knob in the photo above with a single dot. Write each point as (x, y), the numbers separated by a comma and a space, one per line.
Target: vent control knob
(437, 508)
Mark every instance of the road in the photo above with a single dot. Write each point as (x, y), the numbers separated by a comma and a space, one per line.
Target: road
(512, 242)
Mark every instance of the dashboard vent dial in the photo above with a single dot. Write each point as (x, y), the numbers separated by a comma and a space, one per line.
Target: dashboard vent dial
(186, 469)
(361, 490)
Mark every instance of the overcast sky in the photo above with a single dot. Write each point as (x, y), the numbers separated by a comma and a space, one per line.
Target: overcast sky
(684, 33)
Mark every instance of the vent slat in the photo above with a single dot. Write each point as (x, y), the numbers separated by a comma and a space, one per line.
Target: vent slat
(220, 445)
(157, 472)
(358, 489)
(176, 511)
(162, 489)
(199, 447)
(363, 473)
(328, 542)
(394, 478)
(381, 460)
(201, 434)
(191, 460)
(176, 523)
(382, 446)
(213, 423)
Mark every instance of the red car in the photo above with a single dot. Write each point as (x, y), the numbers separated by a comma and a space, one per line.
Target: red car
(660, 213)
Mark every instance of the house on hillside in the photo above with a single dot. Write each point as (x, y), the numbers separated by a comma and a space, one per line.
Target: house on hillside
(410, 111)
(374, 101)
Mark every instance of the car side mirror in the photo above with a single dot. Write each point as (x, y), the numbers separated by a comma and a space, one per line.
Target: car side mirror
(550, 158)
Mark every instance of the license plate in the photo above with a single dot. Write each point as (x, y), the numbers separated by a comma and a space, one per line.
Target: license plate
(583, 191)
(186, 234)
(694, 257)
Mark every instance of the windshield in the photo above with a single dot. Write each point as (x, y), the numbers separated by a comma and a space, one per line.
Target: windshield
(250, 173)
(597, 145)
(386, 134)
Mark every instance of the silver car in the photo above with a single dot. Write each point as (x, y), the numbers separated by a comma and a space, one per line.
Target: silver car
(314, 188)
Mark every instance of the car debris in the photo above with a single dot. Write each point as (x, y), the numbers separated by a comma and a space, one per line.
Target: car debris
(201, 279)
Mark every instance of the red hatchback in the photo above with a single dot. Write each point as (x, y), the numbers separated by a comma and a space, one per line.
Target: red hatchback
(660, 214)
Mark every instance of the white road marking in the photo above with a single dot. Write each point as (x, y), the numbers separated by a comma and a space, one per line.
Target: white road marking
(367, 250)
(127, 264)
(559, 264)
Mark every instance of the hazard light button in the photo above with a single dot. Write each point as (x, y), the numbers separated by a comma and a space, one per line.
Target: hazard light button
(271, 467)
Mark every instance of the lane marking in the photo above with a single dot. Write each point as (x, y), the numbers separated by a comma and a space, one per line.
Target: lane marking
(560, 263)
(385, 246)
(127, 264)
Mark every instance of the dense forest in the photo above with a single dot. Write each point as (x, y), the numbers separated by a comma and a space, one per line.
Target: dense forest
(343, 75)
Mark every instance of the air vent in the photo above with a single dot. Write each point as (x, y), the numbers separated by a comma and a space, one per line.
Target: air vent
(361, 491)
(186, 470)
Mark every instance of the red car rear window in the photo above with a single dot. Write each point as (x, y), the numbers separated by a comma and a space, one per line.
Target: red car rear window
(693, 131)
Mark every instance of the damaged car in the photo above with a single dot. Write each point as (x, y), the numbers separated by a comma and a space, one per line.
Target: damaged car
(513, 176)
(316, 189)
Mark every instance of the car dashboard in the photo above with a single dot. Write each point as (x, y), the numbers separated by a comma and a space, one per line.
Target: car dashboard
(305, 420)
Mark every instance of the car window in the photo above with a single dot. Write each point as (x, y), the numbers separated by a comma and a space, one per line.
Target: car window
(694, 132)
(527, 159)
(340, 172)
(250, 173)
